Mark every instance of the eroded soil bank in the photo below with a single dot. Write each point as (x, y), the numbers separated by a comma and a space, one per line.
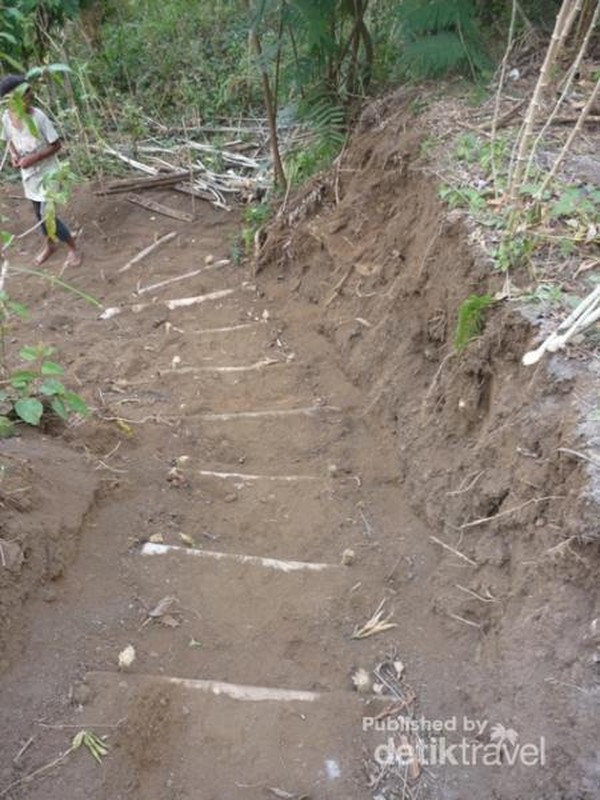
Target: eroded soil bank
(480, 439)
(314, 412)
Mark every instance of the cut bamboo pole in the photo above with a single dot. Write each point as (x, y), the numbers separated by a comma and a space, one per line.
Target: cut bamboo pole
(161, 284)
(571, 138)
(147, 250)
(503, 70)
(184, 302)
(570, 77)
(564, 22)
(152, 549)
(235, 691)
(159, 208)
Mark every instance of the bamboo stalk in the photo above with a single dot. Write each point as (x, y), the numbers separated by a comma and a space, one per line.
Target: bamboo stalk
(147, 250)
(503, 68)
(564, 22)
(571, 138)
(130, 184)
(567, 86)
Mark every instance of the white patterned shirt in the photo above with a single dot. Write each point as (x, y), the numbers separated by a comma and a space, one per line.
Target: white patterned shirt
(25, 143)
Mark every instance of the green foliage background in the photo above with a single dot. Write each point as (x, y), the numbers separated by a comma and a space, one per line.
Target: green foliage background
(180, 62)
(170, 57)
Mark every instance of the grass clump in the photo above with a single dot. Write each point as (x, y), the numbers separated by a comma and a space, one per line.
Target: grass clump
(471, 319)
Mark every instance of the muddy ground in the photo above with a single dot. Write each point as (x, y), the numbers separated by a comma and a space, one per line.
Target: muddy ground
(311, 411)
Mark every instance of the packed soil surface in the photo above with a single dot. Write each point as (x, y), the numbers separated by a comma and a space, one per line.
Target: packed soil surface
(187, 573)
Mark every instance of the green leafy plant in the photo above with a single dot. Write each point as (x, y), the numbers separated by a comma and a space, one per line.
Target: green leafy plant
(95, 745)
(514, 251)
(471, 319)
(545, 294)
(575, 201)
(255, 217)
(463, 197)
(33, 388)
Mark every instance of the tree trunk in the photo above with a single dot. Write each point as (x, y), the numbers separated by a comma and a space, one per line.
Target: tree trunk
(270, 105)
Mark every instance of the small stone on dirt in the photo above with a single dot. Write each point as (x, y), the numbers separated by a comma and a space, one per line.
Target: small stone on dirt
(169, 621)
(49, 594)
(126, 657)
(11, 556)
(362, 681)
(348, 557)
(230, 498)
(80, 694)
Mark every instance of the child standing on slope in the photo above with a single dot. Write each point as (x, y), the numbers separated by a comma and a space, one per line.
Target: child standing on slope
(33, 144)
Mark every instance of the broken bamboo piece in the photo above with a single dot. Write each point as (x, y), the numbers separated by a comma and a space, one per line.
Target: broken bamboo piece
(147, 250)
(153, 182)
(152, 549)
(161, 284)
(159, 208)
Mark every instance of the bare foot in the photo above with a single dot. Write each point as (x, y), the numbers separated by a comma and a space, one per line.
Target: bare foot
(44, 255)
(74, 259)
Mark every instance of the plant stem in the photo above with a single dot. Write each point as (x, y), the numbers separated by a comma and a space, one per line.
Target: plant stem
(503, 69)
(63, 284)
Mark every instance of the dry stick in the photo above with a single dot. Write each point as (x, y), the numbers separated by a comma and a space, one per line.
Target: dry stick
(132, 162)
(508, 511)
(563, 24)
(452, 550)
(475, 594)
(339, 286)
(462, 619)
(577, 454)
(573, 69)
(29, 230)
(143, 183)
(154, 286)
(504, 119)
(571, 138)
(509, 47)
(160, 208)
(468, 488)
(591, 119)
(3, 274)
(25, 747)
(36, 772)
(147, 250)
(338, 168)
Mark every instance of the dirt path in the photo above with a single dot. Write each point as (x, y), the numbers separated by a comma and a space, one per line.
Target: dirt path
(234, 469)
(249, 478)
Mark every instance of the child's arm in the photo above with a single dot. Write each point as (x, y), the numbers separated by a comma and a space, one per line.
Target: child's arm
(14, 155)
(39, 155)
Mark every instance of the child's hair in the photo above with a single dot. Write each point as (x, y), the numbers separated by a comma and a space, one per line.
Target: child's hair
(10, 82)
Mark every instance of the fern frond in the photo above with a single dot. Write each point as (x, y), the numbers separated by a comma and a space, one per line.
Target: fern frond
(427, 16)
(435, 55)
(441, 36)
(326, 117)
